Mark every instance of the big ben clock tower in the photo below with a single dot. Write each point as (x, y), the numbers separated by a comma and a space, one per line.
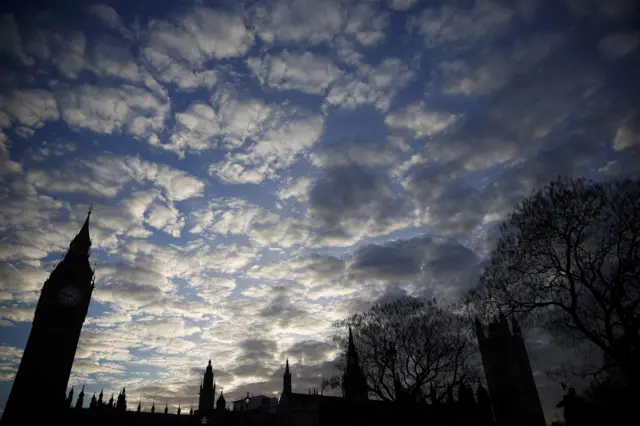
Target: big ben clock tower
(41, 382)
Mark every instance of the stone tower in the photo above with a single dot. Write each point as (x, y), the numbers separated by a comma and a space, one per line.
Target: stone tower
(207, 392)
(512, 389)
(42, 378)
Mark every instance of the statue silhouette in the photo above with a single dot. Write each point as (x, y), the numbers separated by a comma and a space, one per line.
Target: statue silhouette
(573, 407)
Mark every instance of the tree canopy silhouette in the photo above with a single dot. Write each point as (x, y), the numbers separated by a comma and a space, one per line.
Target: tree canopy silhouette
(568, 260)
(412, 349)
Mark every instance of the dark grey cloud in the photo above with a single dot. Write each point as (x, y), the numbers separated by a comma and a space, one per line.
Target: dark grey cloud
(458, 210)
(309, 351)
(282, 309)
(257, 349)
(439, 265)
(356, 195)
(251, 369)
(364, 153)
(393, 260)
(121, 283)
(392, 293)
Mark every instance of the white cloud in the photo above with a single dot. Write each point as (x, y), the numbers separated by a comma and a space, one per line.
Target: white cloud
(179, 50)
(615, 46)
(298, 189)
(106, 109)
(171, 71)
(7, 166)
(420, 121)
(176, 184)
(166, 217)
(462, 79)
(482, 74)
(627, 136)
(402, 4)
(298, 71)
(239, 217)
(230, 122)
(69, 48)
(371, 85)
(449, 23)
(110, 18)
(366, 24)
(30, 107)
(108, 175)
(298, 20)
(279, 147)
(109, 57)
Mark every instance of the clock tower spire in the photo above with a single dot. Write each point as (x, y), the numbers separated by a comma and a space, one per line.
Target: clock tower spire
(48, 355)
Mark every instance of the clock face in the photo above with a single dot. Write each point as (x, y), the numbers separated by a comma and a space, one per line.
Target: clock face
(69, 296)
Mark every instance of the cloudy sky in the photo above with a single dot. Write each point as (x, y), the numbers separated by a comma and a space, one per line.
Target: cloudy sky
(260, 169)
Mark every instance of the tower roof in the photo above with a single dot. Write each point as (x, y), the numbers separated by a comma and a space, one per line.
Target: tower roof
(81, 243)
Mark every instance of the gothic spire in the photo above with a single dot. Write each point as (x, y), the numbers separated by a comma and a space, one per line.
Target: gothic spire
(354, 383)
(286, 388)
(82, 241)
(352, 345)
(70, 397)
(80, 400)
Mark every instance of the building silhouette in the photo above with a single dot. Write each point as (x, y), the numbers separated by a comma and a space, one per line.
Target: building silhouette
(39, 388)
(43, 374)
(512, 388)
(207, 392)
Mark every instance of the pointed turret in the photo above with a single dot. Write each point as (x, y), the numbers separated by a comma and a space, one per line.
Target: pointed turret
(354, 383)
(221, 404)
(179, 409)
(94, 402)
(122, 401)
(139, 405)
(352, 344)
(166, 408)
(191, 411)
(111, 401)
(286, 388)
(153, 407)
(81, 244)
(70, 398)
(100, 398)
(80, 400)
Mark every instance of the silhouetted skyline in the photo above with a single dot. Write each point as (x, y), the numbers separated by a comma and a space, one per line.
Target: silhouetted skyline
(261, 169)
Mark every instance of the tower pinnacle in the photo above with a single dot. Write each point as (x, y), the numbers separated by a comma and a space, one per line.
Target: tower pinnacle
(82, 241)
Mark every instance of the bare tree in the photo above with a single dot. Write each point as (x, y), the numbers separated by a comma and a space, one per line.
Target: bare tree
(568, 260)
(415, 344)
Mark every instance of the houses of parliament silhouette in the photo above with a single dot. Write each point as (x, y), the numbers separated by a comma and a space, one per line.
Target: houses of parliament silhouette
(39, 388)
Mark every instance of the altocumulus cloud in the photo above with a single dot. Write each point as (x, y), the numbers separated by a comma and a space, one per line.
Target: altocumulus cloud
(259, 169)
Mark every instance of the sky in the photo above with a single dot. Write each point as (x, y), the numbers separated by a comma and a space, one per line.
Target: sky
(261, 169)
